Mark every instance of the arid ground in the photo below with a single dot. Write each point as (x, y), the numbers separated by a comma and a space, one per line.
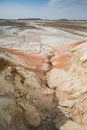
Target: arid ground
(43, 75)
(28, 35)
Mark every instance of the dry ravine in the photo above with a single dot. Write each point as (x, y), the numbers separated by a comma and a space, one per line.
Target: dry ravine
(44, 91)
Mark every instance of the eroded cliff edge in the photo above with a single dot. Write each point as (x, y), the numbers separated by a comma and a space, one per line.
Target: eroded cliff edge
(44, 91)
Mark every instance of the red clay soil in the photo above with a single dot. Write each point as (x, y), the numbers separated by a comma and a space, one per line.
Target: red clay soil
(62, 57)
(34, 62)
(60, 50)
(62, 62)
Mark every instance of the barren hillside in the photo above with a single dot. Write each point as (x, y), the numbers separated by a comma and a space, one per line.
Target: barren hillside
(43, 75)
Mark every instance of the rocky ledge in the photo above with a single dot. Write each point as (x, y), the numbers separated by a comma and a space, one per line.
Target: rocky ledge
(44, 92)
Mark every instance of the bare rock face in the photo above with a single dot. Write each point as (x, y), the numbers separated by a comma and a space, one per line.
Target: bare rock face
(26, 102)
(44, 92)
(73, 126)
(68, 79)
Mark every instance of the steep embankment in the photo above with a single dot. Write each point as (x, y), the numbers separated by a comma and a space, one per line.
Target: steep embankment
(44, 92)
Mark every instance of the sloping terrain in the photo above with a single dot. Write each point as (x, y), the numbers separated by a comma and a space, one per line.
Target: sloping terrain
(44, 93)
(39, 36)
(43, 86)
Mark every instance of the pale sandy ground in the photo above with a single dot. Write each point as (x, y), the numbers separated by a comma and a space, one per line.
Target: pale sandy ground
(40, 39)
